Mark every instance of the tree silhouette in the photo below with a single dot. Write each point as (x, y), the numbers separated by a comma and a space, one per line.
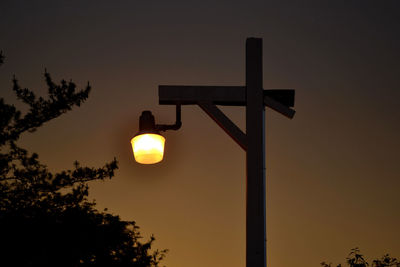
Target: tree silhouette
(356, 259)
(46, 218)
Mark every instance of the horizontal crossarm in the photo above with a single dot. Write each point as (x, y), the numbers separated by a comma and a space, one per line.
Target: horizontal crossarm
(189, 95)
(279, 100)
(218, 95)
(225, 123)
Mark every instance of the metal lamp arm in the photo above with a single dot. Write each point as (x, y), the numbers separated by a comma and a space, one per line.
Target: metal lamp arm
(176, 126)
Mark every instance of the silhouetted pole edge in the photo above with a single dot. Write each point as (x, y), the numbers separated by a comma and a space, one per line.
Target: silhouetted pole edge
(255, 157)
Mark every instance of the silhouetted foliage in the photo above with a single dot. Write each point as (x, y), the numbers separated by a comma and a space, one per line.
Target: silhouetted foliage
(46, 218)
(356, 259)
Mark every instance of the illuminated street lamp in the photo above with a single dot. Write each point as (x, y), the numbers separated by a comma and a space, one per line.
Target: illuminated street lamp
(148, 143)
(254, 98)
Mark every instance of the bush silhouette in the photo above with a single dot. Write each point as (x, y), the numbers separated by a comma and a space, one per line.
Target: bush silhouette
(356, 259)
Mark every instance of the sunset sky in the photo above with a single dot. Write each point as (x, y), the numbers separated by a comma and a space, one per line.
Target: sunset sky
(333, 172)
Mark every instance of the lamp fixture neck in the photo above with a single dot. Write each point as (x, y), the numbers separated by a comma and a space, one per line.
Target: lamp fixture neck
(147, 122)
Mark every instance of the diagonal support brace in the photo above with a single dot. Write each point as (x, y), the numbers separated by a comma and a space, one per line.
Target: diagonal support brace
(279, 107)
(225, 123)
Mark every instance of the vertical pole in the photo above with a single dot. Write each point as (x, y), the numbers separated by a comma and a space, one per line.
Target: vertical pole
(255, 157)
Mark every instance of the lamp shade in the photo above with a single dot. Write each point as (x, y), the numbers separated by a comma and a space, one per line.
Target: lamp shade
(148, 148)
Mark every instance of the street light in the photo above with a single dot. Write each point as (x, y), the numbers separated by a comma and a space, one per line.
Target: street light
(255, 99)
(148, 143)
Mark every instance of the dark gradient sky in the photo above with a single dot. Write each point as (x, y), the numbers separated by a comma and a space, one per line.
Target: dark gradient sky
(332, 172)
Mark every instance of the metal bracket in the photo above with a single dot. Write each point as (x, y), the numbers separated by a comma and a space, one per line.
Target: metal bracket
(176, 126)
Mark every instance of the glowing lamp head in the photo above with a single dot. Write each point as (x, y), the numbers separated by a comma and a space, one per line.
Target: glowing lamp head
(148, 144)
(148, 148)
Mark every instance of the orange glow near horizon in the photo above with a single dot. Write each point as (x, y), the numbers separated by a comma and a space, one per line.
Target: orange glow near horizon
(148, 148)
